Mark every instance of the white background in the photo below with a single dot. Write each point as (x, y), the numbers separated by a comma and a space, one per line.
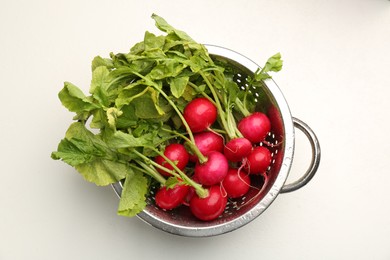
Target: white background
(335, 78)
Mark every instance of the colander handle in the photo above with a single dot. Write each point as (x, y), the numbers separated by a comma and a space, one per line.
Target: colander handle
(315, 159)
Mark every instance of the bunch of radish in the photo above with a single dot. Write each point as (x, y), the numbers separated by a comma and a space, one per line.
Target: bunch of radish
(221, 163)
(171, 121)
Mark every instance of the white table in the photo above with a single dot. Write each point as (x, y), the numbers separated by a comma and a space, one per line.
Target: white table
(335, 78)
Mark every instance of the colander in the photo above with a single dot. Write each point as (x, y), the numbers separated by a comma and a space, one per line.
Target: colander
(280, 141)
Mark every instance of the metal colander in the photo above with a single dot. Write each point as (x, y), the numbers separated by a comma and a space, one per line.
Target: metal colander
(280, 141)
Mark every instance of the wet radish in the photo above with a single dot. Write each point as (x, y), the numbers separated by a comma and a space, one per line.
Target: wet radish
(207, 142)
(177, 153)
(258, 160)
(236, 183)
(170, 198)
(255, 127)
(200, 114)
(210, 207)
(213, 170)
(237, 149)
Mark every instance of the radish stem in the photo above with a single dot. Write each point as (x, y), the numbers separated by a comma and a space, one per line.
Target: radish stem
(201, 157)
(150, 171)
(198, 188)
(194, 148)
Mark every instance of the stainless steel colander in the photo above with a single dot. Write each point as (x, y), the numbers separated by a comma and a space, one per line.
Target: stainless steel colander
(240, 212)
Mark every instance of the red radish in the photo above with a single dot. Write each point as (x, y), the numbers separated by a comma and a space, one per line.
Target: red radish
(207, 142)
(199, 114)
(191, 193)
(255, 127)
(258, 160)
(213, 171)
(237, 149)
(211, 207)
(177, 153)
(236, 183)
(171, 198)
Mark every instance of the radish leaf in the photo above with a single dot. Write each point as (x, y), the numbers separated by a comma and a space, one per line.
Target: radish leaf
(133, 195)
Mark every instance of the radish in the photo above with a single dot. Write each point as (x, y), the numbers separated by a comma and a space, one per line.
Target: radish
(190, 194)
(170, 198)
(207, 142)
(213, 171)
(236, 183)
(255, 127)
(177, 153)
(210, 207)
(237, 149)
(200, 114)
(258, 160)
